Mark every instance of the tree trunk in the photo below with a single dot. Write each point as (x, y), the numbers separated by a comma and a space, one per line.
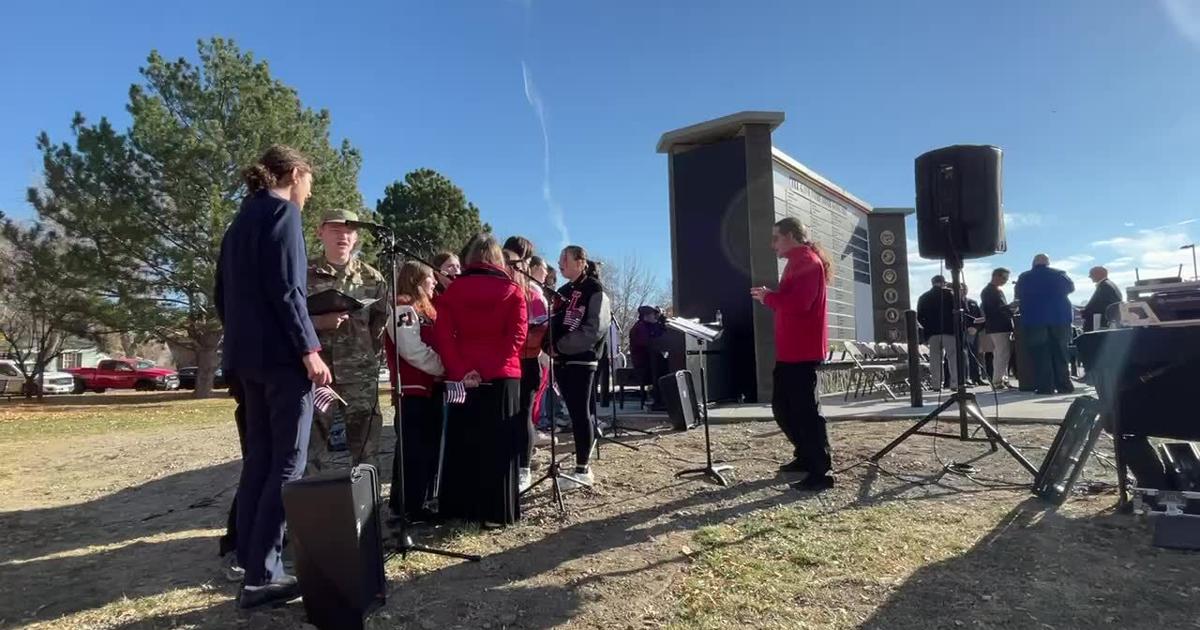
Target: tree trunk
(128, 347)
(206, 367)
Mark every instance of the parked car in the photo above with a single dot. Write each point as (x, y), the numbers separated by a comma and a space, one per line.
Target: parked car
(187, 378)
(50, 382)
(136, 374)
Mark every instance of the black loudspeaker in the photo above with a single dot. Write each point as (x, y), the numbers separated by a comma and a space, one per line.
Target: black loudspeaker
(959, 202)
(683, 408)
(334, 530)
(1069, 451)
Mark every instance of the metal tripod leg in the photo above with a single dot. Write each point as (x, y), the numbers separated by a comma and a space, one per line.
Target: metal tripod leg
(913, 429)
(995, 436)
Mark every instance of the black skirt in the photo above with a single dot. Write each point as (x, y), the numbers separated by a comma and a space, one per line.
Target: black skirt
(482, 447)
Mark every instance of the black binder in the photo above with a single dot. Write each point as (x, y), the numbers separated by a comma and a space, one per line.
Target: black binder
(334, 301)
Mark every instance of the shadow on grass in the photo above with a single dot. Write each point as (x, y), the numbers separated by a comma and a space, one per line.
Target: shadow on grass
(1094, 572)
(139, 542)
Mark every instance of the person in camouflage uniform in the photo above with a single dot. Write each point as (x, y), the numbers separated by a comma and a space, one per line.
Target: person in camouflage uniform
(350, 343)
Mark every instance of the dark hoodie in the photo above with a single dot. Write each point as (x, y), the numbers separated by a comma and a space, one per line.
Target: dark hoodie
(581, 321)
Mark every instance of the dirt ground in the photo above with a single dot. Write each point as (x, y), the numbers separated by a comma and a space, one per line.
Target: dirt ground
(117, 528)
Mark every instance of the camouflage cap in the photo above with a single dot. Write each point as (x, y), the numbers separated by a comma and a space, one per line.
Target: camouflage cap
(338, 216)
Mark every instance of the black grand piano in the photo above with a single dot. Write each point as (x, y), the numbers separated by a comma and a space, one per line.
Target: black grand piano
(1148, 382)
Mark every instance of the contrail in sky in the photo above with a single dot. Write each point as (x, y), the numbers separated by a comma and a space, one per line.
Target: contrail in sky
(535, 101)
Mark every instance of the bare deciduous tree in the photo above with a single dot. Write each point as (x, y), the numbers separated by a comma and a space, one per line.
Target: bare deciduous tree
(630, 284)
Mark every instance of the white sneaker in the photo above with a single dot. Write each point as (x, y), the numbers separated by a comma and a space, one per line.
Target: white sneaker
(544, 439)
(524, 479)
(574, 479)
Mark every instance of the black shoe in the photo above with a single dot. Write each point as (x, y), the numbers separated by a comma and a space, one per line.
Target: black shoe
(1063, 390)
(1044, 392)
(278, 592)
(813, 483)
(793, 466)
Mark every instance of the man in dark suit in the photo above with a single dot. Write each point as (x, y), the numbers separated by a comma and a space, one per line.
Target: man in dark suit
(935, 313)
(1105, 296)
(271, 346)
(1046, 324)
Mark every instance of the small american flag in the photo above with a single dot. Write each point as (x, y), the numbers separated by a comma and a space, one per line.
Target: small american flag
(456, 393)
(324, 397)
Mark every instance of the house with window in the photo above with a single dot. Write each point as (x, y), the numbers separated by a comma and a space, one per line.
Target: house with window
(76, 353)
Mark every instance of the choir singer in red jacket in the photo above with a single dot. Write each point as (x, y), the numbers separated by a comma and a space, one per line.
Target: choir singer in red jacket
(801, 341)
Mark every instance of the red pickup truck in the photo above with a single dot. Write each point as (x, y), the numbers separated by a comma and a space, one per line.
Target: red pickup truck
(124, 374)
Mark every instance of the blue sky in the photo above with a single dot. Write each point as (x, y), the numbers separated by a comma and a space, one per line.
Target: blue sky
(1093, 101)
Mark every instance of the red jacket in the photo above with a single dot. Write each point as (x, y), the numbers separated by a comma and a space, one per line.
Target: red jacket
(481, 325)
(801, 323)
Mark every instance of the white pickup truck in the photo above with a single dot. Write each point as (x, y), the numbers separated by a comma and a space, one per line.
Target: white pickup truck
(12, 382)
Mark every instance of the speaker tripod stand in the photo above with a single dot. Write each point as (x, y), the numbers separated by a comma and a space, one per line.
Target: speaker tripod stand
(968, 406)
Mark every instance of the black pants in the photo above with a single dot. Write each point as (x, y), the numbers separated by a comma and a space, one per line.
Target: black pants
(422, 425)
(575, 382)
(797, 409)
(1048, 346)
(228, 542)
(531, 381)
(279, 410)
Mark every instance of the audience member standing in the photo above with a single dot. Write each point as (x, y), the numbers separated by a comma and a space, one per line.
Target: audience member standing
(479, 334)
(998, 325)
(972, 324)
(271, 345)
(935, 313)
(1046, 323)
(1106, 295)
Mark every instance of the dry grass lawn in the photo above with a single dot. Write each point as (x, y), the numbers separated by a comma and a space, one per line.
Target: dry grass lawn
(110, 507)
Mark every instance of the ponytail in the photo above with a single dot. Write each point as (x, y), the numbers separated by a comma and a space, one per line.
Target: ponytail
(275, 168)
(592, 270)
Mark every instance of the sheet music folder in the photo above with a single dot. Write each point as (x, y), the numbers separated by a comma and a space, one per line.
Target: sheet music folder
(693, 328)
(334, 301)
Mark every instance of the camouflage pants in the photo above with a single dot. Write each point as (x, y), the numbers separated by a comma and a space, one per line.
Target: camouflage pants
(364, 423)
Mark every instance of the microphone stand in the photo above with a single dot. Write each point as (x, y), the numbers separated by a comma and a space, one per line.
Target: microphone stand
(404, 543)
(554, 471)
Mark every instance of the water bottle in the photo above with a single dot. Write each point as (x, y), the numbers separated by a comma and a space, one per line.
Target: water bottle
(720, 324)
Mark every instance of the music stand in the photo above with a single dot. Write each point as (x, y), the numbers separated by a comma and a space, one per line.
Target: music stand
(701, 334)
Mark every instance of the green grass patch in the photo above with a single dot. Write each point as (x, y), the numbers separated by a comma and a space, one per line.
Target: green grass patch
(90, 414)
(794, 568)
(22, 421)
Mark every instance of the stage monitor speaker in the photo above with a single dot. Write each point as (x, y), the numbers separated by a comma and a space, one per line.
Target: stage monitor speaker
(959, 202)
(1069, 451)
(683, 408)
(334, 530)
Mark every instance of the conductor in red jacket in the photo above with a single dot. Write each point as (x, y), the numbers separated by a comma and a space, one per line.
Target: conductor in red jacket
(801, 341)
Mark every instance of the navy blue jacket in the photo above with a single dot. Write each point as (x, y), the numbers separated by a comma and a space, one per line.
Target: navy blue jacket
(261, 287)
(1042, 293)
